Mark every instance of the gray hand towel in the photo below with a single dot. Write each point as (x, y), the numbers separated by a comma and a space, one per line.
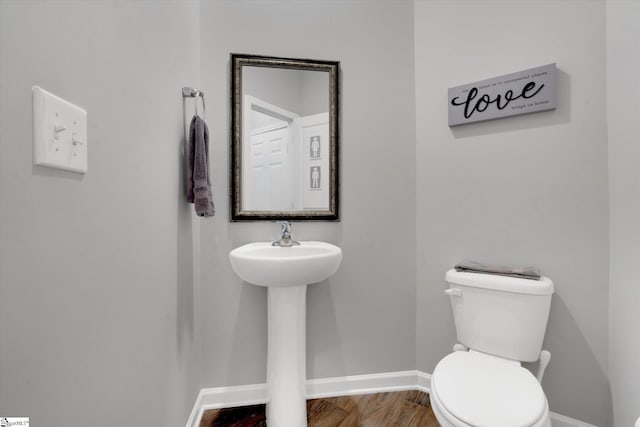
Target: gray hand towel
(532, 273)
(198, 180)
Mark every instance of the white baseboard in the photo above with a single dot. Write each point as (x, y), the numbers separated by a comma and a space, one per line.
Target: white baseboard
(558, 420)
(424, 381)
(226, 397)
(362, 384)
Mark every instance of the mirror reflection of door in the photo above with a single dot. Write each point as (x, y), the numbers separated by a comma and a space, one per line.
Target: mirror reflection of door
(270, 180)
(279, 151)
(268, 171)
(285, 130)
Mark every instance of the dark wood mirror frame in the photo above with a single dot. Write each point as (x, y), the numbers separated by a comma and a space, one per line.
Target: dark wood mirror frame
(238, 61)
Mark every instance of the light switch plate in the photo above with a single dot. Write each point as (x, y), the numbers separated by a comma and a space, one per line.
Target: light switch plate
(59, 132)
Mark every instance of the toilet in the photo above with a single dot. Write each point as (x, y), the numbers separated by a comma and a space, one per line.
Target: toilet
(500, 322)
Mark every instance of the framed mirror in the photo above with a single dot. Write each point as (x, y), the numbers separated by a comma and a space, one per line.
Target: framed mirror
(284, 142)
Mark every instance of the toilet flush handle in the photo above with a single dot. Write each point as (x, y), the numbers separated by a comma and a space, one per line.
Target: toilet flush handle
(454, 292)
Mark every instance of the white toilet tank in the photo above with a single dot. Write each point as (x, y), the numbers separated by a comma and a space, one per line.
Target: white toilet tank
(500, 315)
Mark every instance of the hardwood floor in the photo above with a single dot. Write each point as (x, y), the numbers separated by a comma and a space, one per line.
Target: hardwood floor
(401, 409)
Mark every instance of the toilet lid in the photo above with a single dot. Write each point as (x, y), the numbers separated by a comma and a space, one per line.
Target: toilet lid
(487, 391)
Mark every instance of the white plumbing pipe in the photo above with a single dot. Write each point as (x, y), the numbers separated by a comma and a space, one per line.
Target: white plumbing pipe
(460, 347)
(545, 358)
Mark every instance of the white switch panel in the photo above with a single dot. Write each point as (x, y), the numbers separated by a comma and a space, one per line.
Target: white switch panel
(59, 132)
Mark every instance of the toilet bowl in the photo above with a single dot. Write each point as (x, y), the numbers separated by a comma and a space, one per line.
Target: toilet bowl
(473, 389)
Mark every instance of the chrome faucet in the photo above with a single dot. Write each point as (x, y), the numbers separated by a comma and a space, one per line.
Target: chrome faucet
(285, 235)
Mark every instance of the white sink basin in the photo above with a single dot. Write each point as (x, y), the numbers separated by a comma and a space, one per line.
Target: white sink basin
(265, 265)
(286, 272)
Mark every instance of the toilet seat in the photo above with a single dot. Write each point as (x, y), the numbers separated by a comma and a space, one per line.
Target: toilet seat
(477, 389)
(448, 420)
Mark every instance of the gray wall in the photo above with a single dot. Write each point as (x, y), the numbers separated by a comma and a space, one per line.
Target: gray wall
(282, 88)
(524, 190)
(363, 319)
(96, 271)
(623, 105)
(315, 97)
(298, 91)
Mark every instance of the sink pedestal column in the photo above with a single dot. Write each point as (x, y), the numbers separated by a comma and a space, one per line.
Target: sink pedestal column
(286, 357)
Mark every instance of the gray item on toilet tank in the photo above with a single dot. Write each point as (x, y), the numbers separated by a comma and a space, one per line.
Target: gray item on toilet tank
(532, 273)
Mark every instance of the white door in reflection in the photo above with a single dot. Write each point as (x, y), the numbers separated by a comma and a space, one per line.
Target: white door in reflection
(270, 168)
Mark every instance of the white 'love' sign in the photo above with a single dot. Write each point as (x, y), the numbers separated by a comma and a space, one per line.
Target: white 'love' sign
(524, 92)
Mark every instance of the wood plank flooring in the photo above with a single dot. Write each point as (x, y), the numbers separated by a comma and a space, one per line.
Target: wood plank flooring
(401, 409)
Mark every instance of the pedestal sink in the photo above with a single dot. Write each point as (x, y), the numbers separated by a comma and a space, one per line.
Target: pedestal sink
(286, 272)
